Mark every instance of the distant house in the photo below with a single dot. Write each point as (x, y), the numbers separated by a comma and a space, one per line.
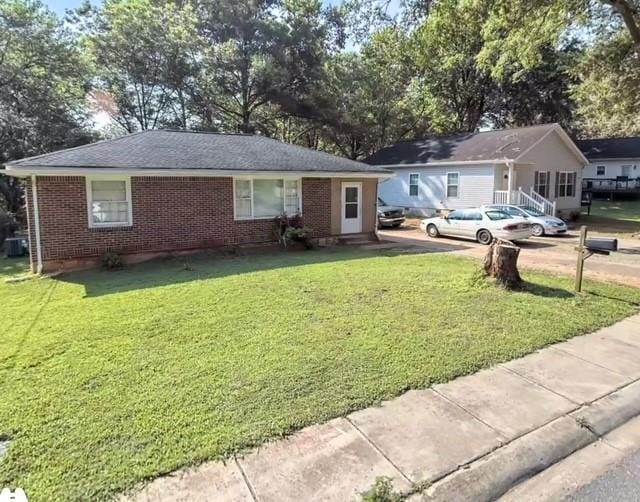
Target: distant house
(538, 166)
(157, 192)
(614, 165)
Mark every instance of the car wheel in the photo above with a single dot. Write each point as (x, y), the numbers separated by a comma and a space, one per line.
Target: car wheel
(538, 230)
(484, 237)
(432, 230)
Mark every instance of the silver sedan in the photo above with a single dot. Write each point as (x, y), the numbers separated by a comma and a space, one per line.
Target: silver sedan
(481, 224)
(542, 224)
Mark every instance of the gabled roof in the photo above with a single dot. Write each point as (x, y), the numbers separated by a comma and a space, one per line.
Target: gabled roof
(610, 148)
(169, 151)
(489, 146)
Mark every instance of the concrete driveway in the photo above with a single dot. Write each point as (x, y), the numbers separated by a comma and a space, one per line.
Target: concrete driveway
(551, 254)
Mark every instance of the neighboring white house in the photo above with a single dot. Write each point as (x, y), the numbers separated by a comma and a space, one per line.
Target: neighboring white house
(614, 164)
(538, 166)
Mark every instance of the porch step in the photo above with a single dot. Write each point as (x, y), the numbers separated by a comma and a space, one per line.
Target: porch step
(357, 239)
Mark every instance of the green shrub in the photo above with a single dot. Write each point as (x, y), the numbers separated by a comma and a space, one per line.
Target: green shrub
(111, 261)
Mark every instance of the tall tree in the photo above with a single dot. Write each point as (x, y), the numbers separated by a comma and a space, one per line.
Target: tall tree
(145, 54)
(42, 89)
(607, 95)
(259, 53)
(446, 46)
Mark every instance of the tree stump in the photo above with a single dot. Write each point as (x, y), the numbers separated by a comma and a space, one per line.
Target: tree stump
(501, 263)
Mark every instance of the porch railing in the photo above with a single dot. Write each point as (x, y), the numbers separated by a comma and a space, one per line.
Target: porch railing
(520, 198)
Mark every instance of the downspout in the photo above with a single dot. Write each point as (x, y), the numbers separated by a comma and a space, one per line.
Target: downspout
(36, 224)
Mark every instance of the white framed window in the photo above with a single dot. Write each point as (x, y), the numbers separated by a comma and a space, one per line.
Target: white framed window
(109, 202)
(453, 185)
(566, 184)
(541, 182)
(601, 170)
(414, 180)
(256, 198)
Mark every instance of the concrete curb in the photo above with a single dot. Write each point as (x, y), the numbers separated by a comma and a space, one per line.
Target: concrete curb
(501, 470)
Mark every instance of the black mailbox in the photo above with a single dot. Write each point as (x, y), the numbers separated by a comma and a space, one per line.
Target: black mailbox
(601, 245)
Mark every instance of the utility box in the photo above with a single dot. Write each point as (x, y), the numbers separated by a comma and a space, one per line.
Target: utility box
(15, 247)
(602, 245)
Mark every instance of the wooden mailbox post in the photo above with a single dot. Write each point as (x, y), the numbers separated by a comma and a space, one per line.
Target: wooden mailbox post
(587, 248)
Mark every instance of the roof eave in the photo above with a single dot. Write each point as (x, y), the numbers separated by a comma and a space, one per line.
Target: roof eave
(446, 163)
(25, 171)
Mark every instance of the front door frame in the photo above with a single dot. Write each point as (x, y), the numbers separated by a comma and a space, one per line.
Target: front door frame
(350, 225)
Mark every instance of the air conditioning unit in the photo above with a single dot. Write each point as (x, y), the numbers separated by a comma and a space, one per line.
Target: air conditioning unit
(15, 247)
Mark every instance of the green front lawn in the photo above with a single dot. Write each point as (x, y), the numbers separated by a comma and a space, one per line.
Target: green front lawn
(110, 378)
(617, 217)
(619, 209)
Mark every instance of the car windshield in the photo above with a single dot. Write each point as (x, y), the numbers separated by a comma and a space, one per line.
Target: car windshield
(532, 211)
(497, 215)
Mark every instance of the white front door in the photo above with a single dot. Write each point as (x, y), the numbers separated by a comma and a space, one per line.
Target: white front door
(351, 208)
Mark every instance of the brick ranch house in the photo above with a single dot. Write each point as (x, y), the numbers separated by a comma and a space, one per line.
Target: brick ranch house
(157, 192)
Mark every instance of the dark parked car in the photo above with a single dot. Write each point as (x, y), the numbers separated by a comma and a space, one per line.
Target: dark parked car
(389, 216)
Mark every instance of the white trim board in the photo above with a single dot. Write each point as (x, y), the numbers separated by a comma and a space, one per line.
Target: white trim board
(197, 173)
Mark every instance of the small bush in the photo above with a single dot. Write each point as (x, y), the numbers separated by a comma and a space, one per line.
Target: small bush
(382, 491)
(111, 261)
(290, 229)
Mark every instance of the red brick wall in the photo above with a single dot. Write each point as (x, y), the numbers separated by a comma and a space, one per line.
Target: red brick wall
(168, 214)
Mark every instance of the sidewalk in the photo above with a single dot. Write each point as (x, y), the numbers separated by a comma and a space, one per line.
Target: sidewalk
(473, 438)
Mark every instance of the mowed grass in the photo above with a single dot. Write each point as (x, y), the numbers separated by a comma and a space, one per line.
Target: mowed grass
(111, 378)
(628, 210)
(614, 217)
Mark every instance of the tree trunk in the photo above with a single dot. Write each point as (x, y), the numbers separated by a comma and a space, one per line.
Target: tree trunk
(501, 263)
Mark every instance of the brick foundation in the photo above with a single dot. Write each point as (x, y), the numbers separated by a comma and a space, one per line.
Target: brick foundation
(170, 214)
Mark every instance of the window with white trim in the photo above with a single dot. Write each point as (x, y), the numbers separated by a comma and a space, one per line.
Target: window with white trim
(453, 185)
(414, 180)
(109, 202)
(541, 182)
(266, 197)
(600, 170)
(565, 184)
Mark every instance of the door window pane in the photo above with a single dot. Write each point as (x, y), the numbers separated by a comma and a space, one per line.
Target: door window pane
(351, 194)
(351, 210)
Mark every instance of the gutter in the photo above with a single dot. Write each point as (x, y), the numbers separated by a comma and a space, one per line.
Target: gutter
(24, 172)
(36, 224)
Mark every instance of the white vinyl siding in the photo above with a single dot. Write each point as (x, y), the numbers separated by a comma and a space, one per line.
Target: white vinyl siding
(475, 187)
(109, 202)
(612, 169)
(256, 198)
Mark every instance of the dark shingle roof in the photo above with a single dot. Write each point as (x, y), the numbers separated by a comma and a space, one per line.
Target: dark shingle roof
(490, 145)
(163, 149)
(610, 148)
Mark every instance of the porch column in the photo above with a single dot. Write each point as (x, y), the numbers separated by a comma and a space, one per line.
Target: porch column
(510, 182)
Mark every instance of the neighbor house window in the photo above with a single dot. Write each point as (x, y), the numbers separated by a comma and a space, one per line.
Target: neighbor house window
(109, 202)
(414, 179)
(453, 182)
(541, 182)
(266, 198)
(565, 184)
(600, 171)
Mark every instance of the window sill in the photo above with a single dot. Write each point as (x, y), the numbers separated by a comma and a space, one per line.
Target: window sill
(110, 228)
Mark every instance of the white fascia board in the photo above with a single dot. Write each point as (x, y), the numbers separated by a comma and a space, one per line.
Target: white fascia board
(447, 163)
(22, 172)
